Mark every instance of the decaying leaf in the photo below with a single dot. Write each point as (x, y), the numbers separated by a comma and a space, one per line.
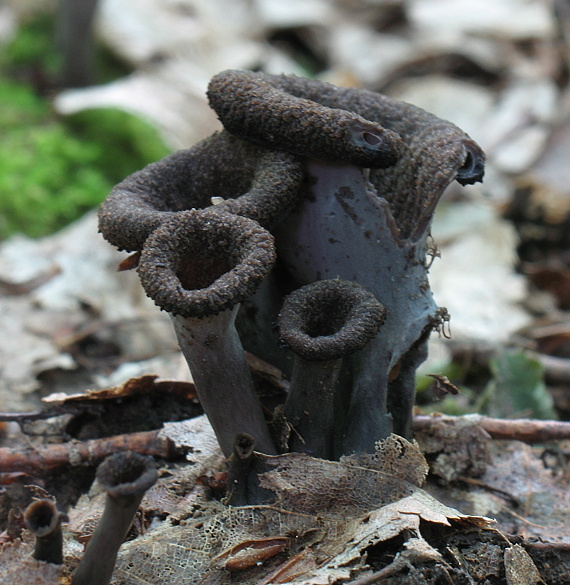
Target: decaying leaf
(520, 568)
(18, 566)
(455, 449)
(327, 514)
(477, 281)
(132, 387)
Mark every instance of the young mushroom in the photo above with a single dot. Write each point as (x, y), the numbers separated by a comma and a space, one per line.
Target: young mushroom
(199, 266)
(125, 477)
(322, 323)
(43, 520)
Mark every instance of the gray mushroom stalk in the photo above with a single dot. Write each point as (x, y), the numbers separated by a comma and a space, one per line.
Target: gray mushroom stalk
(198, 267)
(322, 323)
(125, 477)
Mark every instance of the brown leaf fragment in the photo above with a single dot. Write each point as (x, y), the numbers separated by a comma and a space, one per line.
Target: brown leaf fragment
(146, 384)
(129, 263)
(250, 553)
(394, 456)
(520, 568)
(355, 484)
(300, 564)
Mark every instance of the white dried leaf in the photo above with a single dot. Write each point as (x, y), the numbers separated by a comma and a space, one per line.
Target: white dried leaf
(368, 55)
(172, 97)
(513, 19)
(294, 13)
(144, 30)
(467, 105)
(475, 278)
(196, 435)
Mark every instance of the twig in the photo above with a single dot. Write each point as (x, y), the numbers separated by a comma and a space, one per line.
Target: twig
(547, 545)
(396, 566)
(556, 369)
(527, 430)
(45, 458)
(481, 484)
(24, 417)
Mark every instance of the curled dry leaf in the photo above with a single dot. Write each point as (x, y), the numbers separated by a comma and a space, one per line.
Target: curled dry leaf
(134, 386)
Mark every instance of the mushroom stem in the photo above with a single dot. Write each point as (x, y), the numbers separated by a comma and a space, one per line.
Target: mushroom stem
(322, 323)
(213, 350)
(43, 520)
(125, 477)
(310, 406)
(199, 266)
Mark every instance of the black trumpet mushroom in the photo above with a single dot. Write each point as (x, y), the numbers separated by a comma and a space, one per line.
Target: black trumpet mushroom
(125, 477)
(43, 520)
(199, 266)
(322, 323)
(347, 181)
(364, 217)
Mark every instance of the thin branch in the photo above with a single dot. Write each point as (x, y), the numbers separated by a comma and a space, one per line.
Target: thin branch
(396, 566)
(526, 430)
(46, 458)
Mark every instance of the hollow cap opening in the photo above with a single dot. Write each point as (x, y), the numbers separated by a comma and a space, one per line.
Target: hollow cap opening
(126, 474)
(203, 262)
(329, 319)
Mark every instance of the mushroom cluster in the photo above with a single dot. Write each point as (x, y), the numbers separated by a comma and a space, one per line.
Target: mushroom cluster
(310, 210)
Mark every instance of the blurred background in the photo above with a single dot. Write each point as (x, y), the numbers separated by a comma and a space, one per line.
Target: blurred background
(92, 90)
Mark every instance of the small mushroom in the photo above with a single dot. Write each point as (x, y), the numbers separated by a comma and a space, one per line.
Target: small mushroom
(322, 323)
(199, 266)
(244, 468)
(125, 477)
(43, 520)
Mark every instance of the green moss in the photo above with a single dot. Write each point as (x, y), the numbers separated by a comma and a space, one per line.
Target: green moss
(126, 140)
(33, 46)
(52, 171)
(33, 54)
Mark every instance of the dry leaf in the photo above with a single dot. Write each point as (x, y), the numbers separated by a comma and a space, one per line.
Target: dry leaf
(520, 568)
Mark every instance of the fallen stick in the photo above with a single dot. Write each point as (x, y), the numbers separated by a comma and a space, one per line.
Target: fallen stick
(46, 458)
(523, 429)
